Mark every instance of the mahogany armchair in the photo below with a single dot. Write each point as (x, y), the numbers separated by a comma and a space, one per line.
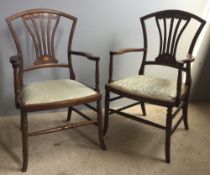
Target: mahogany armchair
(155, 89)
(41, 25)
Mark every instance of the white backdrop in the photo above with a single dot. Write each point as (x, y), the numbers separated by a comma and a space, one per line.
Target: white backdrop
(103, 25)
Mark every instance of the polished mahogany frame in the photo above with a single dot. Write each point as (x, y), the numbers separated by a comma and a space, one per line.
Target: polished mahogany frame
(170, 25)
(41, 25)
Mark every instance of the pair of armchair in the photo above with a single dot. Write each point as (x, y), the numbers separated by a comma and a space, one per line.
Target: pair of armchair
(42, 25)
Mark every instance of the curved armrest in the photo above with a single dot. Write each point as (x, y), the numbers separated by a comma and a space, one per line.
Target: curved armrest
(93, 58)
(189, 59)
(126, 50)
(84, 54)
(120, 52)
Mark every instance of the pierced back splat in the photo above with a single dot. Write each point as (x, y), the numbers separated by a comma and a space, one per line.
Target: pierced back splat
(42, 28)
(42, 25)
(171, 25)
(170, 35)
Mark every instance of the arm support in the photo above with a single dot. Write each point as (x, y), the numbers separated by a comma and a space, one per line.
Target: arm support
(15, 61)
(120, 52)
(183, 62)
(93, 58)
(179, 83)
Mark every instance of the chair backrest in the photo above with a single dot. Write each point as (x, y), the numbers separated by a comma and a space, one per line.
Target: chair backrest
(171, 25)
(42, 26)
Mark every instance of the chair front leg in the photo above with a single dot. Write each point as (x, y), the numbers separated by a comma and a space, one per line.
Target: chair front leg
(24, 129)
(69, 114)
(100, 125)
(168, 134)
(143, 108)
(106, 116)
(185, 114)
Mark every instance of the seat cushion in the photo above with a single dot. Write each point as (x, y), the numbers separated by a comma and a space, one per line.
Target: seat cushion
(148, 86)
(55, 91)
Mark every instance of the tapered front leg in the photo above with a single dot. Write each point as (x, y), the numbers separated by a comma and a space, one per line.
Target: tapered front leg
(106, 116)
(168, 134)
(24, 130)
(100, 125)
(185, 115)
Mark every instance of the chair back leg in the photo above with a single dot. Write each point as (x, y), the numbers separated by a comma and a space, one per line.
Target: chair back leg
(143, 109)
(69, 114)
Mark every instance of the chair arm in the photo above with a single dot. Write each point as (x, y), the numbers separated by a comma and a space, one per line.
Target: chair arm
(93, 58)
(120, 52)
(188, 59)
(15, 61)
(84, 54)
(126, 50)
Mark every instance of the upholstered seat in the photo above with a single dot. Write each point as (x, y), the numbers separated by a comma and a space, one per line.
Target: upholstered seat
(55, 91)
(148, 87)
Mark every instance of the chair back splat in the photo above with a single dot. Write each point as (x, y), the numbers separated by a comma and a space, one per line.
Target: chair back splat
(42, 26)
(170, 24)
